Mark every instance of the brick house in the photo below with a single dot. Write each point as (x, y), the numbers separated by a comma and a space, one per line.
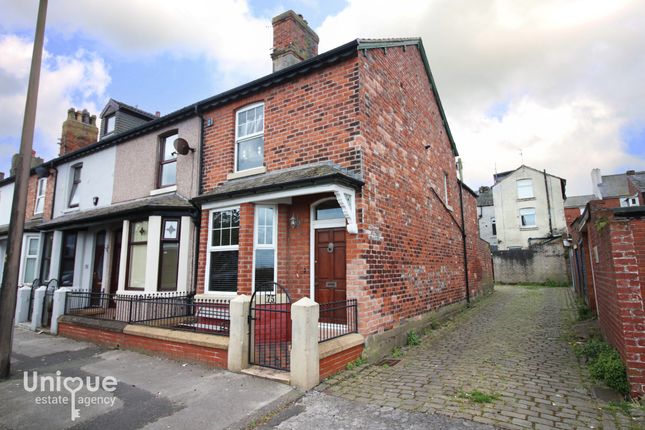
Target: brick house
(335, 177)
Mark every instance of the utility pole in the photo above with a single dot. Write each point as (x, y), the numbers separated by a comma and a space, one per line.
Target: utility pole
(18, 208)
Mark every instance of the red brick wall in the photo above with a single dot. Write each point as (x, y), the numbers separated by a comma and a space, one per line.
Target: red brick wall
(414, 247)
(480, 263)
(333, 364)
(570, 215)
(31, 197)
(619, 285)
(290, 34)
(174, 350)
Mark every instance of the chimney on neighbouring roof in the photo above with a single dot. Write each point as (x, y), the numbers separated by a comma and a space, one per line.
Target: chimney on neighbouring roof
(79, 131)
(596, 179)
(1, 176)
(293, 40)
(158, 114)
(630, 172)
(35, 161)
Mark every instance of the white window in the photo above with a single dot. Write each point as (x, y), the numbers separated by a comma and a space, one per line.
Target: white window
(626, 202)
(249, 137)
(223, 250)
(525, 189)
(41, 188)
(265, 255)
(527, 217)
(30, 259)
(75, 183)
(137, 255)
(110, 124)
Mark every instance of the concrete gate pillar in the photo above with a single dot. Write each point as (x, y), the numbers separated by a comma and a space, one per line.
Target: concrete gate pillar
(22, 305)
(238, 341)
(305, 360)
(37, 313)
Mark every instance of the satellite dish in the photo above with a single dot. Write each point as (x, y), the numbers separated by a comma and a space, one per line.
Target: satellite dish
(181, 146)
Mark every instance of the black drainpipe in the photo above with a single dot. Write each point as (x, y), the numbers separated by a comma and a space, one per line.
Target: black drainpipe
(197, 218)
(548, 203)
(463, 229)
(51, 211)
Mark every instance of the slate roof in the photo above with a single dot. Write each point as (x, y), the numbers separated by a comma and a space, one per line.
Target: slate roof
(127, 107)
(485, 198)
(577, 201)
(296, 177)
(29, 226)
(638, 179)
(614, 185)
(163, 202)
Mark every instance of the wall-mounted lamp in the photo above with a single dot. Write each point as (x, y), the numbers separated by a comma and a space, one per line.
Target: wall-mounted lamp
(95, 200)
(294, 221)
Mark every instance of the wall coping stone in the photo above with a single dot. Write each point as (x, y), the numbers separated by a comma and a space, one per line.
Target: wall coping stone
(340, 344)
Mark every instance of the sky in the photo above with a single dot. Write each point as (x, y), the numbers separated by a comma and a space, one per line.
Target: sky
(554, 84)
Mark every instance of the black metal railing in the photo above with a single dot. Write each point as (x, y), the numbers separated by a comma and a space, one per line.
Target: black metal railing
(172, 311)
(337, 319)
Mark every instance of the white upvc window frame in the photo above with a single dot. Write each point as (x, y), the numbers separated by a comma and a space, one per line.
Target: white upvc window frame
(26, 256)
(534, 217)
(210, 248)
(274, 240)
(518, 186)
(41, 191)
(244, 138)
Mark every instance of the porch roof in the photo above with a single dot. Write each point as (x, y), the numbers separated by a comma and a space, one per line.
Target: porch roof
(163, 203)
(292, 178)
(31, 225)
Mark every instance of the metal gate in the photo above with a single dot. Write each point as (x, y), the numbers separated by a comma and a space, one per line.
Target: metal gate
(48, 302)
(270, 327)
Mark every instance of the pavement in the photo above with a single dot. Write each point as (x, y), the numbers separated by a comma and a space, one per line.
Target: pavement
(151, 392)
(512, 345)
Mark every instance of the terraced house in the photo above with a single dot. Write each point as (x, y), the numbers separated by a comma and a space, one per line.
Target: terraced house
(332, 178)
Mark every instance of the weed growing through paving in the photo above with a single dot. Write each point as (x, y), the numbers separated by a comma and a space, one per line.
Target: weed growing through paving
(584, 312)
(604, 363)
(356, 363)
(397, 352)
(413, 338)
(478, 396)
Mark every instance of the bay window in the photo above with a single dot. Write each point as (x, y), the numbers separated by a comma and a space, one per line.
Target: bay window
(249, 137)
(137, 255)
(223, 250)
(169, 255)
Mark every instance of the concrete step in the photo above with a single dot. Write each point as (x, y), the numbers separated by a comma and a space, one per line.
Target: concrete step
(268, 373)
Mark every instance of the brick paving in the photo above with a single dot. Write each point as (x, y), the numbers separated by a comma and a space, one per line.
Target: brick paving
(513, 344)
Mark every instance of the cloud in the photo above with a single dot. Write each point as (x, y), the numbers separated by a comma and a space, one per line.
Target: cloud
(223, 31)
(558, 80)
(76, 81)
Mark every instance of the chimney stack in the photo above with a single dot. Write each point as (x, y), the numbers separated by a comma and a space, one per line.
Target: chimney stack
(79, 131)
(293, 40)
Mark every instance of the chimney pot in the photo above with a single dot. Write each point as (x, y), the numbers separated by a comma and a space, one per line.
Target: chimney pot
(293, 40)
(157, 114)
(1, 176)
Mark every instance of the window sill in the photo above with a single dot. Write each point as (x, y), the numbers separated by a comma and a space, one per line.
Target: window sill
(70, 210)
(247, 172)
(216, 295)
(164, 190)
(529, 228)
(526, 199)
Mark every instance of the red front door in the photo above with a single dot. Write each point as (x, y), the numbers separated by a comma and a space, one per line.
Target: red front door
(330, 283)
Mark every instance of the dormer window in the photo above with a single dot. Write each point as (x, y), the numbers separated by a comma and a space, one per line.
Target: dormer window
(109, 124)
(249, 137)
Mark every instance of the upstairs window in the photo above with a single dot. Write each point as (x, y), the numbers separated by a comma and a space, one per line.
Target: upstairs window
(109, 124)
(527, 217)
(75, 182)
(167, 161)
(525, 189)
(41, 187)
(445, 188)
(249, 137)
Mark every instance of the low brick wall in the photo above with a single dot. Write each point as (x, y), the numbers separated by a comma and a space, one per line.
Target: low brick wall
(189, 347)
(335, 354)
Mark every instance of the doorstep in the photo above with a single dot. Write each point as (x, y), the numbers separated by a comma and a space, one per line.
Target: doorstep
(268, 373)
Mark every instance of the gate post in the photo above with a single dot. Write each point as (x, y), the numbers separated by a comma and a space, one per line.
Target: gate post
(305, 360)
(37, 312)
(238, 341)
(22, 305)
(58, 308)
